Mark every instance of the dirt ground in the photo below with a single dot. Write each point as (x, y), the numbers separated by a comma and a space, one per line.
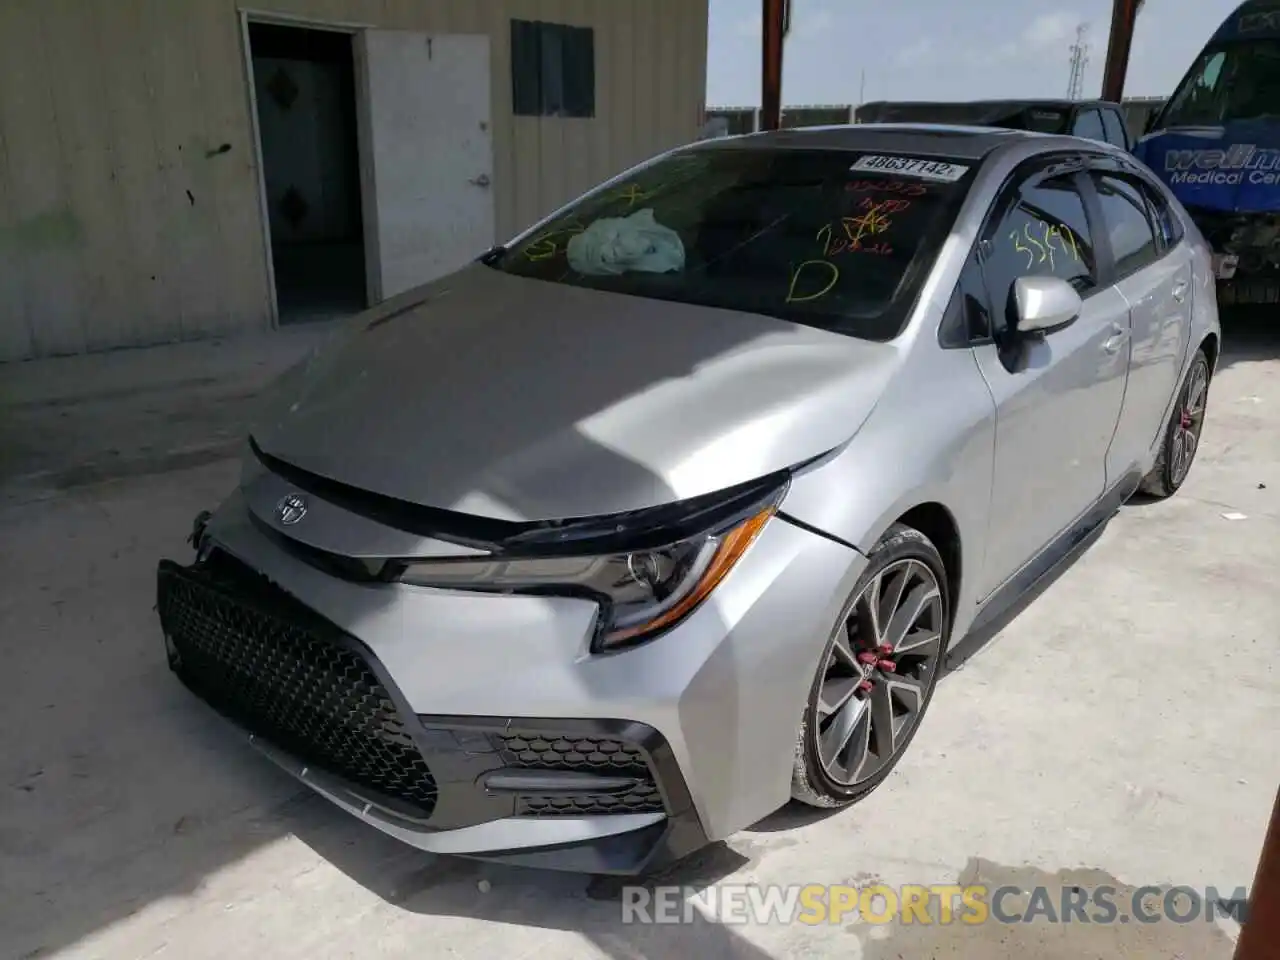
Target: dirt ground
(1123, 730)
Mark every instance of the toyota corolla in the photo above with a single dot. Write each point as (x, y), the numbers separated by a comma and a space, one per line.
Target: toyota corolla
(677, 506)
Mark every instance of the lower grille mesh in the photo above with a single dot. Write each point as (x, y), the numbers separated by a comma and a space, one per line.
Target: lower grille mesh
(250, 652)
(600, 755)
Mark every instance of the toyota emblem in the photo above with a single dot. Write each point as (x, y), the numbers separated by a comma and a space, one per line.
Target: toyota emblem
(291, 509)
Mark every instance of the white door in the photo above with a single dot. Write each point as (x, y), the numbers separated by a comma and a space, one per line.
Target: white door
(427, 155)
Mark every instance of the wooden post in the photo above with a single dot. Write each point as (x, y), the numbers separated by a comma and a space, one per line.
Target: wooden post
(1260, 936)
(1124, 13)
(775, 15)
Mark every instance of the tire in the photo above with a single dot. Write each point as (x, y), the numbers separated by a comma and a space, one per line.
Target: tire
(826, 777)
(1186, 421)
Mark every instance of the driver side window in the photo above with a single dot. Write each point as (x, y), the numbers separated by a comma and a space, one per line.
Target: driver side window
(1043, 232)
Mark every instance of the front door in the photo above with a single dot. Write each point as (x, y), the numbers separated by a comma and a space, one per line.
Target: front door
(1057, 399)
(427, 155)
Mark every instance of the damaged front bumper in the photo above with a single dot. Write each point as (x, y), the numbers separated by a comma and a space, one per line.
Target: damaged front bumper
(319, 703)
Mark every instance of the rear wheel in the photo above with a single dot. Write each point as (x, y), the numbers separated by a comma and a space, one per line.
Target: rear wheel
(876, 675)
(1182, 433)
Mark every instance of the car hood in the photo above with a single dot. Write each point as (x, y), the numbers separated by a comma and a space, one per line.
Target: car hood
(1233, 168)
(518, 399)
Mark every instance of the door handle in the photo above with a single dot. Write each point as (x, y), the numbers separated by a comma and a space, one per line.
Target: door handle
(1180, 291)
(1114, 342)
(481, 181)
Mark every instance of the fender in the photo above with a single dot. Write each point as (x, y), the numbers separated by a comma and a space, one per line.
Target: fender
(944, 455)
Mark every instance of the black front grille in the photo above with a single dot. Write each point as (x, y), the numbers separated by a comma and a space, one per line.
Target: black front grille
(604, 756)
(283, 673)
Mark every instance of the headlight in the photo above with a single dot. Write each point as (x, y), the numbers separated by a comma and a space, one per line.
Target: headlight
(641, 592)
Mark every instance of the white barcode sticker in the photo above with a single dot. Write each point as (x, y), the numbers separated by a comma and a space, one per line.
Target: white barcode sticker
(938, 170)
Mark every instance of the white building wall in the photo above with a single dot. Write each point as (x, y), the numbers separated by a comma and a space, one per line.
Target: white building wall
(129, 203)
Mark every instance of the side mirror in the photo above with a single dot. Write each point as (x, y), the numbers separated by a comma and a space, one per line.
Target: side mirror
(1045, 304)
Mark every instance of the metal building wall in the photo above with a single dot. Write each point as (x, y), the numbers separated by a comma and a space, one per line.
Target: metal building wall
(129, 209)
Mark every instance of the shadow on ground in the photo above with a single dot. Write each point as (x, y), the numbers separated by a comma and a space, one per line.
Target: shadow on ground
(1249, 335)
(445, 887)
(428, 885)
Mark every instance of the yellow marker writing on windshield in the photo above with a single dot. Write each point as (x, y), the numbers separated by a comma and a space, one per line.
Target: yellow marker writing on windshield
(833, 277)
(544, 248)
(634, 195)
(824, 237)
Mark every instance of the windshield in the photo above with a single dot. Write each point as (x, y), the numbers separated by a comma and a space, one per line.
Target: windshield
(830, 239)
(1237, 81)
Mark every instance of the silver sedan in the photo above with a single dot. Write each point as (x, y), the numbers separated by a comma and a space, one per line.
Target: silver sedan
(677, 506)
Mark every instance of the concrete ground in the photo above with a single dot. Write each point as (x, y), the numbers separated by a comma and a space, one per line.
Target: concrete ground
(1123, 730)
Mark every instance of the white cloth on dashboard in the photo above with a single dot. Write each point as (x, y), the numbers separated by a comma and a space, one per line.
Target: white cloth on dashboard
(615, 245)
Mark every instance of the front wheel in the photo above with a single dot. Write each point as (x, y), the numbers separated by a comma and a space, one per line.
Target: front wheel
(1182, 433)
(876, 675)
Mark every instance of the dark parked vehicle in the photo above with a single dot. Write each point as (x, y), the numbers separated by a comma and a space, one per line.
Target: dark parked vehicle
(1092, 119)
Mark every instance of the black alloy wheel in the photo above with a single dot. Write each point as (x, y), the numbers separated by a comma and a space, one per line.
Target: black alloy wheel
(1182, 434)
(877, 674)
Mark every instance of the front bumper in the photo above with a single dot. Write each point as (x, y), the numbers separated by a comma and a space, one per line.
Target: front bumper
(373, 696)
(315, 700)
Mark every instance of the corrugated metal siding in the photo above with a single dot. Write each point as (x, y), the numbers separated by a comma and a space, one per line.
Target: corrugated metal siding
(122, 223)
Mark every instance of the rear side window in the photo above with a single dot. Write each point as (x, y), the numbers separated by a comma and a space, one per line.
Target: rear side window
(830, 239)
(1089, 125)
(1167, 223)
(1128, 223)
(1045, 232)
(1115, 129)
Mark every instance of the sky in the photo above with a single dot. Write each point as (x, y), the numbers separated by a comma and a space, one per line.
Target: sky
(948, 50)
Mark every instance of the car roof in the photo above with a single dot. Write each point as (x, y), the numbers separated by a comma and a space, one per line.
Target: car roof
(1048, 102)
(918, 139)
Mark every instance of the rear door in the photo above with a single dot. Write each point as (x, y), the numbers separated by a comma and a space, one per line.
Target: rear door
(1153, 272)
(1057, 399)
